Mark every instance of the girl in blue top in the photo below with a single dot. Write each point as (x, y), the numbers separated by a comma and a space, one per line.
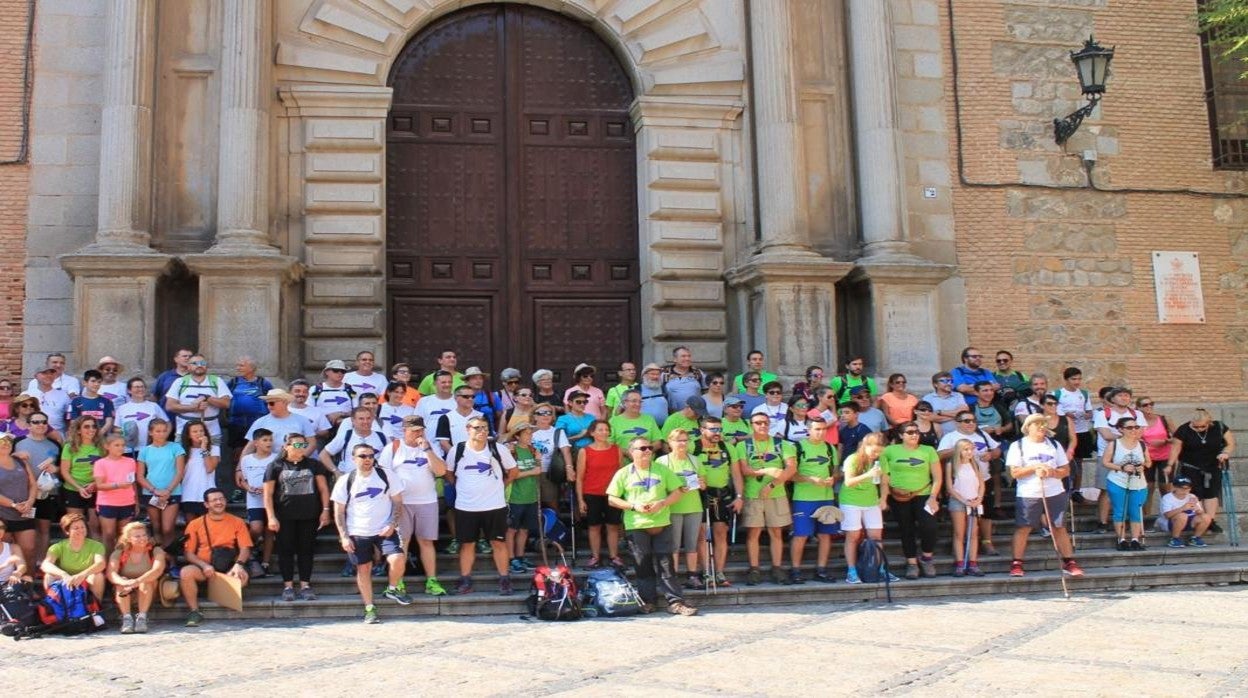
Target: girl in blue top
(162, 463)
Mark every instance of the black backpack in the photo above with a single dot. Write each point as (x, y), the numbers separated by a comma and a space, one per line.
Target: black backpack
(19, 610)
(609, 594)
(872, 564)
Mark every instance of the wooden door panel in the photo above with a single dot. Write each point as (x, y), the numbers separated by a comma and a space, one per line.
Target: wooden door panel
(569, 330)
(421, 327)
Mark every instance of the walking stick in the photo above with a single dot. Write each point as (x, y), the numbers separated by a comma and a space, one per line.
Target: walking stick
(572, 519)
(966, 546)
(1044, 502)
(710, 580)
(1228, 503)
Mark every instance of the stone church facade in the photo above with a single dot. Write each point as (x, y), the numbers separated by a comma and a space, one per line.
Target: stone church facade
(534, 183)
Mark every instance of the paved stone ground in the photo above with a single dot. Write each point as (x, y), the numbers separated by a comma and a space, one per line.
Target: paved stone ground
(1102, 645)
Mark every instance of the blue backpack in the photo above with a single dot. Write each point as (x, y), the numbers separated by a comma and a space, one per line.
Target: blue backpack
(70, 610)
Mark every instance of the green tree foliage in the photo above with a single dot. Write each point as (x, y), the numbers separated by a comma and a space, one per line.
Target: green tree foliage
(1226, 24)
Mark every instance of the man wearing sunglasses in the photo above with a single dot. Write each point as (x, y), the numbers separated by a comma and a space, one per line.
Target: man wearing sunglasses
(198, 395)
(367, 510)
(946, 403)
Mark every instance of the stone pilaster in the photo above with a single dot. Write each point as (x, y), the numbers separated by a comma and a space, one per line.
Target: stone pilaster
(243, 167)
(115, 276)
(873, 80)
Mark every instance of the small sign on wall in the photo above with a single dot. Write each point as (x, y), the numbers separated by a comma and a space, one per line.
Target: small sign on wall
(1180, 300)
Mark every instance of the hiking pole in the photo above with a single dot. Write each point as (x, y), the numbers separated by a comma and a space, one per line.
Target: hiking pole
(572, 519)
(709, 582)
(1228, 504)
(1044, 502)
(966, 546)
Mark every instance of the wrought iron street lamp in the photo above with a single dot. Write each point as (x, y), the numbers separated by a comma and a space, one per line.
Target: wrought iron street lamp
(1092, 66)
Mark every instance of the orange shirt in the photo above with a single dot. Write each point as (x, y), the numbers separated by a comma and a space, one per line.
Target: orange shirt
(411, 396)
(899, 409)
(230, 531)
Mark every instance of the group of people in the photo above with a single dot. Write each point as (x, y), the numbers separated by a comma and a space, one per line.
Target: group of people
(663, 467)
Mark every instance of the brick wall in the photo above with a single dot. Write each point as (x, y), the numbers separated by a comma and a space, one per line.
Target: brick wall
(14, 179)
(1060, 273)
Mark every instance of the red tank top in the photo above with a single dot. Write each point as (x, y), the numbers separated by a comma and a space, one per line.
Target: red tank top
(600, 467)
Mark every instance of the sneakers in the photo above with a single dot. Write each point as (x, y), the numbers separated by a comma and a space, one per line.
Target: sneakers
(433, 587)
(516, 567)
(721, 580)
(256, 571)
(694, 581)
(986, 549)
(306, 594)
(594, 563)
(618, 564)
(380, 569)
(680, 608)
(753, 577)
(1016, 568)
(912, 570)
(504, 586)
(821, 575)
(1045, 532)
(288, 594)
(1197, 542)
(348, 570)
(957, 569)
(778, 576)
(452, 548)
(974, 570)
(1102, 527)
(1077, 497)
(370, 615)
(398, 596)
(1175, 543)
(891, 577)
(1135, 544)
(140, 623)
(483, 547)
(464, 586)
(851, 576)
(795, 577)
(1072, 568)
(927, 566)
(193, 619)
(1123, 545)
(127, 624)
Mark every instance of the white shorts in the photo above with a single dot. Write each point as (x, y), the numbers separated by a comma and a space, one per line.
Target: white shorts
(855, 518)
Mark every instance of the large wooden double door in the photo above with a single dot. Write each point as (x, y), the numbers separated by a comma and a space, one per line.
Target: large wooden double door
(511, 195)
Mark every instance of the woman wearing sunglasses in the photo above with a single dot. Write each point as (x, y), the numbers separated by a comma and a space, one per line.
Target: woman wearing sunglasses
(1202, 449)
(296, 503)
(1156, 436)
(1128, 464)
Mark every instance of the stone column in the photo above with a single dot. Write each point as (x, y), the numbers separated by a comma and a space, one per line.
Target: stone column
(894, 292)
(872, 76)
(243, 167)
(786, 292)
(243, 277)
(115, 276)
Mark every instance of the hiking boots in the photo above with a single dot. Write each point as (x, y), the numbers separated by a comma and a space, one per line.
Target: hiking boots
(504, 586)
(753, 577)
(927, 566)
(680, 608)
(912, 570)
(778, 576)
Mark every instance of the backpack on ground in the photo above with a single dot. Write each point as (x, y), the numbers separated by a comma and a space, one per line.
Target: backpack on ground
(70, 610)
(19, 610)
(553, 594)
(872, 564)
(609, 594)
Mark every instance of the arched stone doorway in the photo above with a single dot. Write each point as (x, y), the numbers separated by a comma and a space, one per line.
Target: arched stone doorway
(511, 194)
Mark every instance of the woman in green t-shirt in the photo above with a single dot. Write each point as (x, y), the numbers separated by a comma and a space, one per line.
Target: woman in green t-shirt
(645, 491)
(914, 480)
(861, 499)
(688, 532)
(77, 559)
(83, 446)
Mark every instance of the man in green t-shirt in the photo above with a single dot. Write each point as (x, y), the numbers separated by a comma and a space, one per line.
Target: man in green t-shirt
(645, 490)
(736, 428)
(632, 423)
(722, 499)
(853, 377)
(817, 470)
(753, 362)
(447, 361)
(628, 381)
(522, 496)
(769, 462)
(687, 418)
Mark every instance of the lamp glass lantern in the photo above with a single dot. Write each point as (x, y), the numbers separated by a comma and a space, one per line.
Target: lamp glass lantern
(1092, 64)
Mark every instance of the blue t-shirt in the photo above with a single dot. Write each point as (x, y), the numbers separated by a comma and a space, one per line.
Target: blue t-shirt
(965, 376)
(247, 404)
(99, 407)
(161, 464)
(571, 424)
(852, 436)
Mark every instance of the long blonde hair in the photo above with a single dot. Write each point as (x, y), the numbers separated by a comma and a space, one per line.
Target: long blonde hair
(123, 538)
(861, 464)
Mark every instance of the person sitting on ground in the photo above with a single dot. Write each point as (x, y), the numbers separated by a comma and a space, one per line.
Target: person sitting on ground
(13, 569)
(216, 543)
(367, 509)
(134, 569)
(76, 559)
(1181, 511)
(644, 491)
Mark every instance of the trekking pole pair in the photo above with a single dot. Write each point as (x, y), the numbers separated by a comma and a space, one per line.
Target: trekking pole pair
(1228, 503)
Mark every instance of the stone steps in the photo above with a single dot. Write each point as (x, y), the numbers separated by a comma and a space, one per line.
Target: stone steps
(1106, 569)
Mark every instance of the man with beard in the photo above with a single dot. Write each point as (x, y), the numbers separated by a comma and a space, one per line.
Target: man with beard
(653, 399)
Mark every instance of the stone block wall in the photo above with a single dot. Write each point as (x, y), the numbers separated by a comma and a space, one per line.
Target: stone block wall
(1056, 270)
(14, 182)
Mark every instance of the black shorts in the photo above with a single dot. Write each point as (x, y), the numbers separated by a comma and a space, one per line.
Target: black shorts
(473, 525)
(718, 501)
(19, 525)
(1085, 444)
(50, 508)
(366, 546)
(1206, 483)
(598, 511)
(73, 500)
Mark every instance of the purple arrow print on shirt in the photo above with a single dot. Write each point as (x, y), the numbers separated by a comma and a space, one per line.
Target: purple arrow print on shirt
(336, 400)
(478, 466)
(418, 461)
(369, 493)
(392, 419)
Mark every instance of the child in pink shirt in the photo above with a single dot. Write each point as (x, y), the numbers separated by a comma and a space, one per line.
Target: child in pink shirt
(114, 481)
